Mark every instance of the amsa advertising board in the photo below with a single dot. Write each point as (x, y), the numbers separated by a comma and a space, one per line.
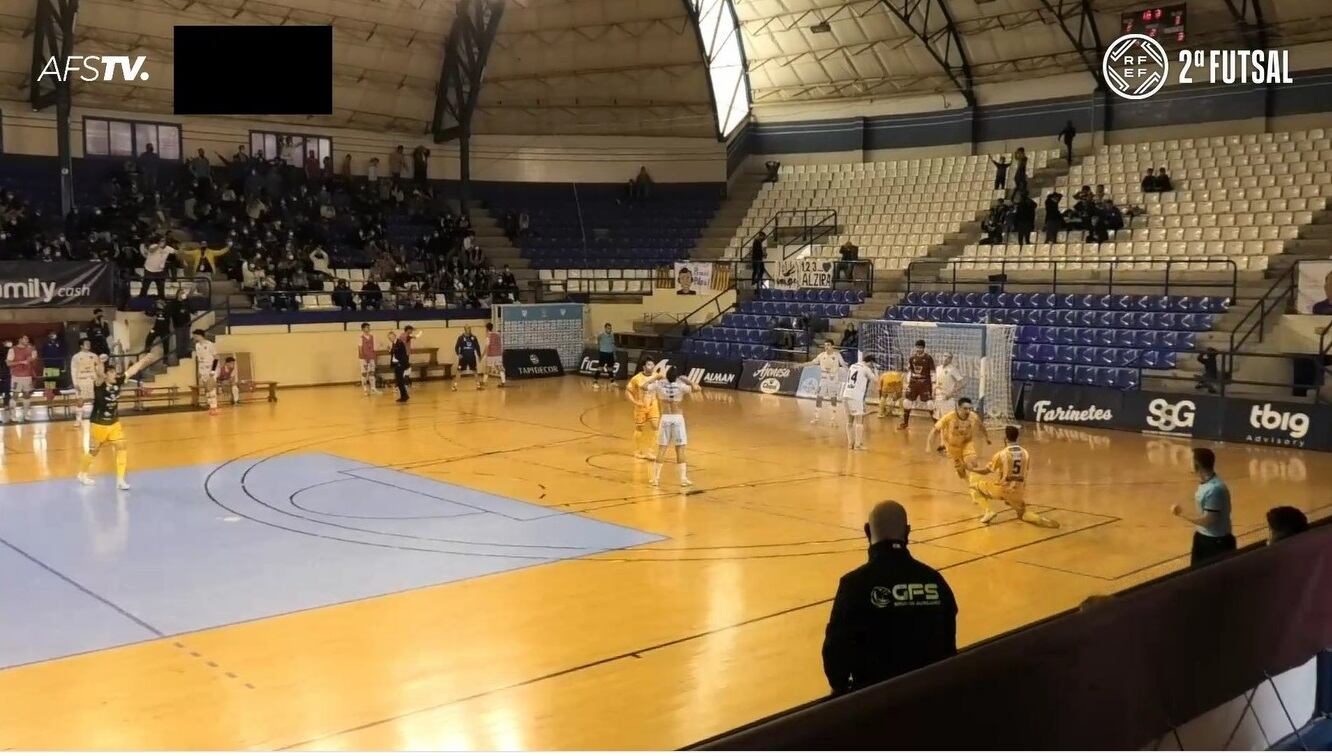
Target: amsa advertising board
(771, 377)
(56, 284)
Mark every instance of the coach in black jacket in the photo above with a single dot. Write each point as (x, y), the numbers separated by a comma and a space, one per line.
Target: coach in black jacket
(400, 356)
(891, 615)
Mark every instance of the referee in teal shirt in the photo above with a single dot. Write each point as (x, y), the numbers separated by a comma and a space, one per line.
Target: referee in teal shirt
(1212, 535)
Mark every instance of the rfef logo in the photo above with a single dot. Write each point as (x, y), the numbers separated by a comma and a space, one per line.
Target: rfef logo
(96, 68)
(1136, 66)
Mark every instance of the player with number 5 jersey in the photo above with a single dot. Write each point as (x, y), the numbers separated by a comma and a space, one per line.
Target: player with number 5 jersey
(1005, 479)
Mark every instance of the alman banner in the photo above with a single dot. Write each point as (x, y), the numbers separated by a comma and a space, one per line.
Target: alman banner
(56, 284)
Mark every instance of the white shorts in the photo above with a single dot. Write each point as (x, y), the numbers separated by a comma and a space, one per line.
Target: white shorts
(20, 387)
(829, 388)
(854, 407)
(672, 431)
(367, 367)
(494, 363)
(84, 388)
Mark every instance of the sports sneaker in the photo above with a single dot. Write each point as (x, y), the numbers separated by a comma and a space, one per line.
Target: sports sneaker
(85, 479)
(213, 411)
(814, 421)
(479, 387)
(123, 484)
(988, 517)
(686, 483)
(654, 482)
(454, 387)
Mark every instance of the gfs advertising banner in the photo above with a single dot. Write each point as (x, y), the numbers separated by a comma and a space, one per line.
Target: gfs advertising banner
(56, 284)
(771, 377)
(532, 363)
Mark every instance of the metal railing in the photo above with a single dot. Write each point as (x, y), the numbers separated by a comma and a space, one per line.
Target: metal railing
(353, 314)
(790, 229)
(1071, 277)
(1283, 288)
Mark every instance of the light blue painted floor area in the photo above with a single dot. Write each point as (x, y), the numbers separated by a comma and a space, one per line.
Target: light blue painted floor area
(190, 548)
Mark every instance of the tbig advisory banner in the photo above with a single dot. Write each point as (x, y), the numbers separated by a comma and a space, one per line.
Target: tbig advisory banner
(56, 284)
(1295, 426)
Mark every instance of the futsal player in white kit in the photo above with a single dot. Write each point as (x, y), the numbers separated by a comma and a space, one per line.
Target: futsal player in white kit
(83, 372)
(854, 395)
(205, 362)
(670, 388)
(948, 385)
(830, 364)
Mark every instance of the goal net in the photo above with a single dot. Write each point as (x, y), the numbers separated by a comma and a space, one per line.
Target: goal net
(544, 326)
(982, 352)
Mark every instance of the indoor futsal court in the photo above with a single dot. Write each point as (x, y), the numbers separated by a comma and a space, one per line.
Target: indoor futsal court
(490, 570)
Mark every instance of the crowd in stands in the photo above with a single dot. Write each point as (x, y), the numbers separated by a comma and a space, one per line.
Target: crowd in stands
(1094, 216)
(274, 226)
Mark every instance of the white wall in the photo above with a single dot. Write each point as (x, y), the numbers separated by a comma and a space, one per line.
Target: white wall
(494, 158)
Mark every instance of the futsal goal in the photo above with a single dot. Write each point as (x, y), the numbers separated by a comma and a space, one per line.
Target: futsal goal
(982, 352)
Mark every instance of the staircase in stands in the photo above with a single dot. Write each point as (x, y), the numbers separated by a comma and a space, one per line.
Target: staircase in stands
(500, 250)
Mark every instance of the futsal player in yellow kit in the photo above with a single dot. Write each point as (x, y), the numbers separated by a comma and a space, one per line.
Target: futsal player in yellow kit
(890, 392)
(647, 413)
(955, 434)
(104, 423)
(1005, 479)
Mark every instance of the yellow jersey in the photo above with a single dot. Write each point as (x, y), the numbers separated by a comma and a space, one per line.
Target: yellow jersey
(1011, 463)
(635, 387)
(957, 432)
(890, 382)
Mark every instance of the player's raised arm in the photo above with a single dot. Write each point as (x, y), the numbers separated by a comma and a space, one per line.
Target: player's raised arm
(138, 366)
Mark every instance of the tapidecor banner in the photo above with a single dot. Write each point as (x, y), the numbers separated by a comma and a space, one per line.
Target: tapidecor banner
(532, 363)
(1074, 405)
(1294, 426)
(804, 273)
(770, 377)
(56, 284)
(590, 364)
(709, 372)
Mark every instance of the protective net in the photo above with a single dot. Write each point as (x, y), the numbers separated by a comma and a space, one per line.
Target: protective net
(544, 326)
(982, 352)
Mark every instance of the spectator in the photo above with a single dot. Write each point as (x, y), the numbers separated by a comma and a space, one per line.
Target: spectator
(1053, 218)
(148, 167)
(508, 284)
(1163, 182)
(773, 167)
(850, 336)
(400, 359)
(1212, 535)
(372, 297)
(347, 168)
(1066, 136)
(1020, 179)
(311, 167)
(160, 331)
(1149, 182)
(640, 187)
(328, 167)
(154, 266)
(99, 333)
(53, 363)
(524, 224)
(421, 165)
(1024, 218)
(396, 162)
(756, 257)
(319, 263)
(1284, 522)
(1000, 172)
(891, 615)
(179, 312)
(1099, 194)
(996, 225)
(372, 171)
(1114, 219)
(1211, 374)
(1096, 230)
(342, 296)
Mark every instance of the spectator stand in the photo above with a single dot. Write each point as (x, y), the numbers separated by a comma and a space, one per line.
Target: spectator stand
(787, 233)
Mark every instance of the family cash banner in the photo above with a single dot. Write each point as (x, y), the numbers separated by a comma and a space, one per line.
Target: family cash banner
(56, 284)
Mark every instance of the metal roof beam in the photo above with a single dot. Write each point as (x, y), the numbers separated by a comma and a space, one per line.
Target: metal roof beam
(932, 23)
(1249, 15)
(1078, 22)
(465, 56)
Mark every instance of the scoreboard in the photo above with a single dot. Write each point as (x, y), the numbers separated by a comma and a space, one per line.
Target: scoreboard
(1164, 23)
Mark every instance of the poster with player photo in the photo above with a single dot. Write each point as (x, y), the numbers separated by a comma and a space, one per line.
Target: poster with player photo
(1314, 296)
(693, 278)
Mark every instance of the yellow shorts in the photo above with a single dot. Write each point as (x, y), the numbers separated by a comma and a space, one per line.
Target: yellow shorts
(105, 434)
(1013, 496)
(651, 413)
(958, 456)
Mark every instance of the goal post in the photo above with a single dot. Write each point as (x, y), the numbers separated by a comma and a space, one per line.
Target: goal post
(983, 352)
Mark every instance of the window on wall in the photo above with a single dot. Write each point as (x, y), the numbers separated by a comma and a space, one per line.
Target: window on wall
(726, 61)
(115, 138)
(290, 147)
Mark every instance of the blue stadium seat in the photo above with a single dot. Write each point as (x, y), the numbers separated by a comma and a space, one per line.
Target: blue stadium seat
(1066, 353)
(1084, 375)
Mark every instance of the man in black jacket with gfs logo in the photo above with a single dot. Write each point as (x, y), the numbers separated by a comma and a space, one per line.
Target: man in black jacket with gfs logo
(891, 615)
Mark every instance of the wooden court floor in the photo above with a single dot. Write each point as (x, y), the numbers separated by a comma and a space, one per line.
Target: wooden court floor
(655, 646)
